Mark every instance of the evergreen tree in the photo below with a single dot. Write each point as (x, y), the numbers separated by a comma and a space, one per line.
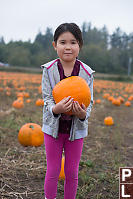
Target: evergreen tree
(105, 53)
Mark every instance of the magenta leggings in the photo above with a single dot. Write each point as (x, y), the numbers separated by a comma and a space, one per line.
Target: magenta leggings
(72, 150)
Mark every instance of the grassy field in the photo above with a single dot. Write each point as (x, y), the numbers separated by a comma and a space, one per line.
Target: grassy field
(106, 148)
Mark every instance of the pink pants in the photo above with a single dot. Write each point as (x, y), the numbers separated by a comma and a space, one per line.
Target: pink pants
(54, 148)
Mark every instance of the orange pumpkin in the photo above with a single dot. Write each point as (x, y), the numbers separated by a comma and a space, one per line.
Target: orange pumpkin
(20, 94)
(28, 100)
(39, 102)
(18, 104)
(116, 102)
(31, 134)
(106, 95)
(121, 99)
(130, 98)
(26, 95)
(127, 103)
(20, 98)
(108, 121)
(98, 101)
(110, 98)
(73, 86)
(62, 174)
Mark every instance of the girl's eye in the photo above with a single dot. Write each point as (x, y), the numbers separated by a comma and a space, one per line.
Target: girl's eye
(62, 42)
(74, 42)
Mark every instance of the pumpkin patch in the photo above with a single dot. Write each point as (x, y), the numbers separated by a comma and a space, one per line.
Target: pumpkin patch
(106, 147)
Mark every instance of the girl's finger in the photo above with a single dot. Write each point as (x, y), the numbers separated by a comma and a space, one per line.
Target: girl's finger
(66, 99)
(73, 107)
(83, 106)
(78, 106)
(68, 109)
(69, 102)
(69, 106)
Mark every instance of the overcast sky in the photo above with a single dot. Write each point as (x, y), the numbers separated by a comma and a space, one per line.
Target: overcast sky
(23, 19)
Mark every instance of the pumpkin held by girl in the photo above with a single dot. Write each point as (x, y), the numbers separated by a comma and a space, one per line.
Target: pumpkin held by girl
(73, 86)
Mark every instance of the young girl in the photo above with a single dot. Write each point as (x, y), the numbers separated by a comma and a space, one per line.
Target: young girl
(63, 132)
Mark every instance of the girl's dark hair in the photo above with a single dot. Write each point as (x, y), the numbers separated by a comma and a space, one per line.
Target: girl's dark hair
(69, 27)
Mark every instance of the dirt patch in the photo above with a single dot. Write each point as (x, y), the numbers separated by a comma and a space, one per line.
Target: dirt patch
(106, 148)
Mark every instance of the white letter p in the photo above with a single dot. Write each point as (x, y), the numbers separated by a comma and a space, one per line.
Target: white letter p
(125, 173)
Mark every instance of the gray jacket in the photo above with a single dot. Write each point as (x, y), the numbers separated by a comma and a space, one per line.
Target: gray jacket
(50, 77)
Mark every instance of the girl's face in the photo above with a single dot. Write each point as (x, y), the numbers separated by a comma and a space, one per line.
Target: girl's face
(67, 47)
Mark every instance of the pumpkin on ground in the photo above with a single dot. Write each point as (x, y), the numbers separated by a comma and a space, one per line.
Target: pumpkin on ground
(20, 94)
(73, 86)
(26, 95)
(98, 101)
(110, 98)
(116, 102)
(127, 103)
(39, 102)
(18, 104)
(31, 134)
(62, 174)
(108, 121)
(28, 100)
(121, 99)
(106, 95)
(130, 98)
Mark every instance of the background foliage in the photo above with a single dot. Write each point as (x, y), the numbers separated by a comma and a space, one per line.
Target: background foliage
(104, 52)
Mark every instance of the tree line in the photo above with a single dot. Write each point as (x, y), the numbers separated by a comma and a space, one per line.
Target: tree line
(104, 52)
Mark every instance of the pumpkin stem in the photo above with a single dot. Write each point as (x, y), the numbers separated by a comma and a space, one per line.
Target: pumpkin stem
(31, 126)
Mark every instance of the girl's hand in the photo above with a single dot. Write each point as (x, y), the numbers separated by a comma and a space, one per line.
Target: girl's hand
(79, 111)
(63, 106)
